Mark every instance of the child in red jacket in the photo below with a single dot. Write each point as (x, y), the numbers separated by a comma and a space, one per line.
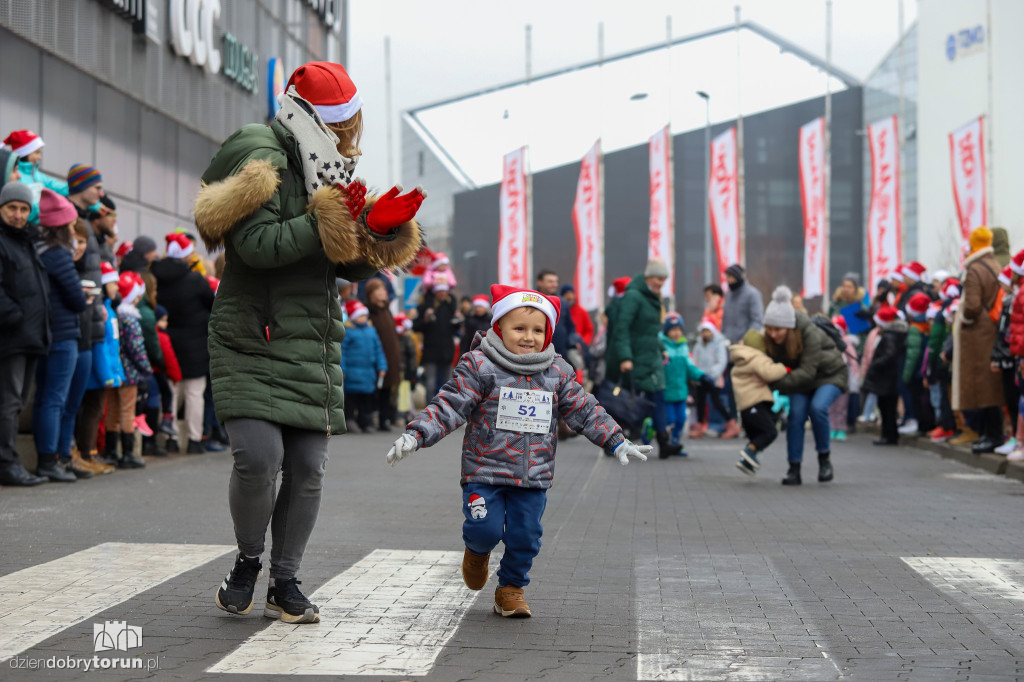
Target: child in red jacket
(170, 373)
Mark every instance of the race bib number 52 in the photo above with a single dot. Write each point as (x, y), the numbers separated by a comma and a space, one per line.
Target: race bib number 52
(525, 411)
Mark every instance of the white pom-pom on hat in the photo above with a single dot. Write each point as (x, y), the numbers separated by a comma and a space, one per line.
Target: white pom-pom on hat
(780, 312)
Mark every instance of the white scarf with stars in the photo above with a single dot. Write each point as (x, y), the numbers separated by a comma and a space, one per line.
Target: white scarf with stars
(322, 164)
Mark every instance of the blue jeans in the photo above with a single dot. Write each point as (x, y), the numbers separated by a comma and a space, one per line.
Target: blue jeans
(53, 380)
(508, 515)
(676, 416)
(814, 405)
(660, 419)
(83, 368)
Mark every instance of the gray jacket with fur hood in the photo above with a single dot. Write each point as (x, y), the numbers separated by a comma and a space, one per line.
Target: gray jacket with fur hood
(497, 457)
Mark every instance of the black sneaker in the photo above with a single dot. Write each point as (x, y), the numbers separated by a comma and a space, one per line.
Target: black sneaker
(749, 455)
(744, 466)
(236, 592)
(284, 601)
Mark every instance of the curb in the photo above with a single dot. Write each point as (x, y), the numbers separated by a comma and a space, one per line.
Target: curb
(992, 463)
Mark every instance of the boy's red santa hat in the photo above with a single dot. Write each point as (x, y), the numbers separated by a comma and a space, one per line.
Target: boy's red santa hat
(328, 88)
(130, 286)
(179, 246)
(355, 309)
(107, 273)
(24, 142)
(507, 299)
(914, 271)
(481, 300)
(885, 315)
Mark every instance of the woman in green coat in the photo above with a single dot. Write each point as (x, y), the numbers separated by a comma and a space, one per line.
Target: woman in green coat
(637, 348)
(282, 202)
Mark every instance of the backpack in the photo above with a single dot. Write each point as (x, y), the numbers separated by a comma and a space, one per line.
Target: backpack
(825, 325)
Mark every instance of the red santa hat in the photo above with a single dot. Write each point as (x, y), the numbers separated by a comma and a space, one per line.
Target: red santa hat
(918, 304)
(328, 88)
(107, 273)
(400, 319)
(950, 289)
(707, 323)
(355, 309)
(507, 299)
(1017, 262)
(481, 300)
(897, 274)
(914, 271)
(1006, 276)
(130, 286)
(179, 246)
(933, 310)
(123, 250)
(442, 285)
(23, 142)
(840, 322)
(439, 259)
(475, 499)
(620, 285)
(885, 315)
(955, 305)
(213, 282)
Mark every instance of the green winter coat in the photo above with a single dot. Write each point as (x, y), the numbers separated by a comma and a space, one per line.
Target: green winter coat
(680, 370)
(635, 337)
(819, 365)
(276, 330)
(916, 343)
(147, 321)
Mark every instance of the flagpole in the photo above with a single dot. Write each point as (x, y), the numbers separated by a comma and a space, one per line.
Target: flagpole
(827, 231)
(670, 175)
(741, 210)
(987, 121)
(526, 160)
(600, 165)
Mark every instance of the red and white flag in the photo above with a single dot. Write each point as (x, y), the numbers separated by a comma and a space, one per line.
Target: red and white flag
(661, 237)
(723, 200)
(967, 156)
(588, 219)
(812, 194)
(884, 241)
(514, 232)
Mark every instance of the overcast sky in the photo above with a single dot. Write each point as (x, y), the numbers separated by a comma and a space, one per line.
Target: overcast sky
(446, 48)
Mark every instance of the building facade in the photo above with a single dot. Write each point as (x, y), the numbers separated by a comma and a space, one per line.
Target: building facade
(146, 90)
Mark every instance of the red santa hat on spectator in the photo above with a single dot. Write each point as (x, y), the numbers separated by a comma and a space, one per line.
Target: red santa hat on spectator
(933, 310)
(885, 315)
(507, 299)
(1017, 263)
(400, 320)
(328, 87)
(914, 271)
(131, 287)
(439, 259)
(918, 304)
(123, 250)
(1006, 276)
(897, 274)
(107, 273)
(442, 285)
(355, 309)
(840, 322)
(179, 246)
(620, 285)
(213, 282)
(950, 289)
(955, 305)
(481, 300)
(23, 142)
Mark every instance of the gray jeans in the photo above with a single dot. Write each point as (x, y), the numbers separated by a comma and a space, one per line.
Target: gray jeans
(16, 372)
(261, 449)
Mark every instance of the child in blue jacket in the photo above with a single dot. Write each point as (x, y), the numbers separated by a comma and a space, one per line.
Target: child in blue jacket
(679, 372)
(364, 365)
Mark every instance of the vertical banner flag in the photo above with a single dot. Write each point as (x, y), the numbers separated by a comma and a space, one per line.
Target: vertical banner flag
(884, 240)
(588, 219)
(723, 200)
(812, 193)
(513, 234)
(967, 156)
(661, 237)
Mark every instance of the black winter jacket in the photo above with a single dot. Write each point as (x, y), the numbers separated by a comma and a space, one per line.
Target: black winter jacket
(472, 325)
(24, 295)
(94, 328)
(67, 300)
(189, 299)
(883, 371)
(439, 333)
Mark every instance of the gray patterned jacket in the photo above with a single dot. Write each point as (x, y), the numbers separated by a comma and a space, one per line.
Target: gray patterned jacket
(498, 457)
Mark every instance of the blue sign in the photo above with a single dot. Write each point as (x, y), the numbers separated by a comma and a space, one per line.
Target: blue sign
(412, 291)
(275, 84)
(965, 41)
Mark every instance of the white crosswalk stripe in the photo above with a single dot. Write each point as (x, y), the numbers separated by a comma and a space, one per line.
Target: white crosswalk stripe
(389, 614)
(39, 602)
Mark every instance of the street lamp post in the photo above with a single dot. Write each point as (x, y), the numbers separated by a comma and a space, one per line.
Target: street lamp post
(707, 163)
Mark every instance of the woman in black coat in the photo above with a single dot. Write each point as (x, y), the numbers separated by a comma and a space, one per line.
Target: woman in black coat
(438, 320)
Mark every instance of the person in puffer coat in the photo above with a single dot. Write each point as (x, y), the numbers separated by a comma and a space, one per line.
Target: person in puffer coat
(511, 389)
(282, 201)
(363, 363)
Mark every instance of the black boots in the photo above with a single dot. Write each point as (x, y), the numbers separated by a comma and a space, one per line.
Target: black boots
(48, 468)
(793, 475)
(109, 455)
(129, 460)
(824, 467)
(150, 446)
(665, 448)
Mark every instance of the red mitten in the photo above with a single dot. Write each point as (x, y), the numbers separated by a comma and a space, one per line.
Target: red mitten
(392, 210)
(355, 197)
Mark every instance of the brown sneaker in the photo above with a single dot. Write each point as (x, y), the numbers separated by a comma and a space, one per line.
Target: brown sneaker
(474, 569)
(92, 462)
(509, 602)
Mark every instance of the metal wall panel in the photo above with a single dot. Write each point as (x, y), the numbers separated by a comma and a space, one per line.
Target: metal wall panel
(20, 95)
(158, 161)
(117, 142)
(69, 117)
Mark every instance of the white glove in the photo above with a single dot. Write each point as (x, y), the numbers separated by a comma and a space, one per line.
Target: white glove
(403, 447)
(626, 449)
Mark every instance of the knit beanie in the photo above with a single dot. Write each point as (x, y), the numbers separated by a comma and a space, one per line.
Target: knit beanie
(160, 312)
(673, 320)
(754, 339)
(780, 312)
(16, 191)
(853, 277)
(980, 238)
(81, 177)
(656, 268)
(144, 245)
(736, 271)
(55, 210)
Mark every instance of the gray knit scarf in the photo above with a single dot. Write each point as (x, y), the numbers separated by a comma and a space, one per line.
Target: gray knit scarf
(322, 163)
(529, 363)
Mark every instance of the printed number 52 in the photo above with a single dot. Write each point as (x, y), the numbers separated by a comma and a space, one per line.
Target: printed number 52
(525, 411)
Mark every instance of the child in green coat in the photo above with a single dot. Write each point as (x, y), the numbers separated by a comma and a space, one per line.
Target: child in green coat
(679, 372)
